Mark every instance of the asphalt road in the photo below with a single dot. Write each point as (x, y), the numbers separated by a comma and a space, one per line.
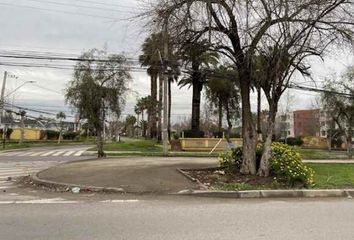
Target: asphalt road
(180, 218)
(15, 164)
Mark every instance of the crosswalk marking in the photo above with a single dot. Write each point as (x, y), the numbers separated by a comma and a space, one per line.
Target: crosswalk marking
(79, 153)
(36, 154)
(49, 153)
(25, 154)
(57, 153)
(68, 153)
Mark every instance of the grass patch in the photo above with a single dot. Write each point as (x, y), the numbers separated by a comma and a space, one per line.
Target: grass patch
(330, 176)
(322, 154)
(327, 176)
(147, 146)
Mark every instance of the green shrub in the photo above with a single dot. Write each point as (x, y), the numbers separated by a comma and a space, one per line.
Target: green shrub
(287, 166)
(234, 158)
(294, 141)
(52, 135)
(70, 135)
(193, 134)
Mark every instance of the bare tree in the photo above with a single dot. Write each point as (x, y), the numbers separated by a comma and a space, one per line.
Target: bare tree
(240, 30)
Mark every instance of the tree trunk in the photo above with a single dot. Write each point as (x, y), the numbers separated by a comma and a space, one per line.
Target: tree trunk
(60, 136)
(229, 124)
(349, 143)
(169, 109)
(248, 129)
(220, 116)
(100, 152)
(197, 88)
(153, 118)
(265, 164)
(329, 141)
(22, 130)
(142, 124)
(259, 106)
(159, 114)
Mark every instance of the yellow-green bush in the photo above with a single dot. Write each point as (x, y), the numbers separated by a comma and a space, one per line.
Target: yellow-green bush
(286, 164)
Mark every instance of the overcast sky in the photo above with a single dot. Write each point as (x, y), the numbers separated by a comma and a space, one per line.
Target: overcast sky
(72, 26)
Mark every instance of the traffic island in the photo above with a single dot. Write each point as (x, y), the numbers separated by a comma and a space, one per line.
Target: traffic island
(141, 175)
(216, 182)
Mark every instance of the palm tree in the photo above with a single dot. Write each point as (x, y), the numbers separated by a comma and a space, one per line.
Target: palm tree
(222, 91)
(174, 74)
(152, 47)
(196, 56)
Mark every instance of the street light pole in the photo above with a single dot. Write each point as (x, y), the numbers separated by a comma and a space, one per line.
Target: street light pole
(165, 90)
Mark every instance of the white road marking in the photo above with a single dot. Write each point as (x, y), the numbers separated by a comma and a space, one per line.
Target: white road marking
(68, 153)
(24, 154)
(47, 154)
(10, 153)
(121, 201)
(79, 153)
(36, 154)
(58, 153)
(41, 201)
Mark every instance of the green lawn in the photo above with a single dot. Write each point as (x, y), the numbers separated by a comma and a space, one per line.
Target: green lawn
(321, 154)
(146, 146)
(329, 176)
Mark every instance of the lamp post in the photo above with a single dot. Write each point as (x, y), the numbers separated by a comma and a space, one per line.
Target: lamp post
(2, 101)
(19, 87)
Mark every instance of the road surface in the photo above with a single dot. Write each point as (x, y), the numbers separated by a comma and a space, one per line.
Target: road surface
(179, 218)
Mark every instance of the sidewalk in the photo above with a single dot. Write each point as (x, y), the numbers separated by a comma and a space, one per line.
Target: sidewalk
(132, 174)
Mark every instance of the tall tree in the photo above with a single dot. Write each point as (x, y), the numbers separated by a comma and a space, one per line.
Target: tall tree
(222, 91)
(239, 29)
(173, 75)
(99, 85)
(60, 117)
(195, 56)
(338, 102)
(151, 58)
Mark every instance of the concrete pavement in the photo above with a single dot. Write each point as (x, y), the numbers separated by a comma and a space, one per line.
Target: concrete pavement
(138, 175)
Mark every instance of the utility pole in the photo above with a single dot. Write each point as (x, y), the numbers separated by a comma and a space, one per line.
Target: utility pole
(165, 89)
(2, 98)
(259, 110)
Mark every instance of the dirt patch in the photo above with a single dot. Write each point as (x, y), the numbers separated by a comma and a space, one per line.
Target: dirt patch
(232, 180)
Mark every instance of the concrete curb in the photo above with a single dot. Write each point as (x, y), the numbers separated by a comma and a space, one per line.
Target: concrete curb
(271, 193)
(50, 184)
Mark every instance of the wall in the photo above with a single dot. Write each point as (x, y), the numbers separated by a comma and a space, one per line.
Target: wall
(206, 144)
(307, 123)
(30, 134)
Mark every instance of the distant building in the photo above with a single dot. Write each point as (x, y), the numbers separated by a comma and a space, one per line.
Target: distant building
(303, 123)
(307, 123)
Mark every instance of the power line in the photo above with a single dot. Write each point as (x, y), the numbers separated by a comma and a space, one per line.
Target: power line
(51, 58)
(59, 11)
(105, 4)
(80, 6)
(311, 89)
